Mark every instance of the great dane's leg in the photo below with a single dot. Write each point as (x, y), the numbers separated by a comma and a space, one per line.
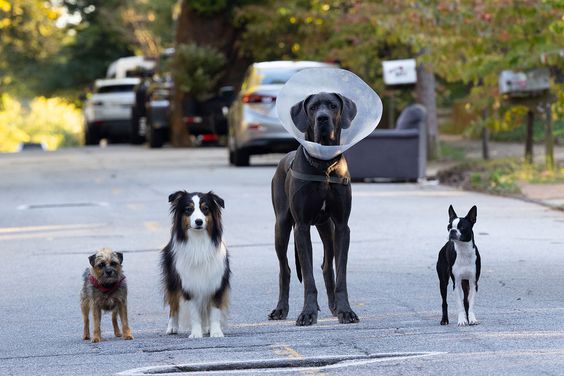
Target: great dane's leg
(303, 242)
(282, 235)
(342, 239)
(325, 230)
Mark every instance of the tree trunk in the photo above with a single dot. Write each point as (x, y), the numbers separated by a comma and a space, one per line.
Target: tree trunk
(529, 137)
(548, 137)
(217, 31)
(485, 134)
(425, 91)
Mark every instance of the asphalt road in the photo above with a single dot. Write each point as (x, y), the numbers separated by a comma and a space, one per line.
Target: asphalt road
(58, 208)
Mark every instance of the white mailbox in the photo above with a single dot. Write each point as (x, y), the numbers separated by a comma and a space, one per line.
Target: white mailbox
(517, 84)
(399, 72)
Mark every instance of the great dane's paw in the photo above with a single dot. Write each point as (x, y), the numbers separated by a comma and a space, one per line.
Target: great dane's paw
(444, 321)
(278, 314)
(472, 320)
(307, 318)
(333, 310)
(348, 317)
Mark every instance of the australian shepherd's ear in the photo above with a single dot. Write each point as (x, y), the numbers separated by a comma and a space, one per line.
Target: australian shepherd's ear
(215, 227)
(176, 195)
(216, 199)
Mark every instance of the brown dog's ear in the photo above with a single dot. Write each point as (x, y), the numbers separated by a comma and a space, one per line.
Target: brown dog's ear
(92, 258)
(215, 198)
(299, 114)
(472, 214)
(175, 196)
(120, 257)
(348, 111)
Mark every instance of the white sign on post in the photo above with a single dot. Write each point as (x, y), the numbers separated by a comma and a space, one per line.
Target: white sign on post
(399, 72)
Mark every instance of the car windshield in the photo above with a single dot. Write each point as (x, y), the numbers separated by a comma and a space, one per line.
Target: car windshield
(115, 89)
(276, 76)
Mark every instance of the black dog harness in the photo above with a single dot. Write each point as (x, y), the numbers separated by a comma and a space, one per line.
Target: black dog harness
(320, 178)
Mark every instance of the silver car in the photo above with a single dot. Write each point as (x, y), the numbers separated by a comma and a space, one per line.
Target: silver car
(254, 127)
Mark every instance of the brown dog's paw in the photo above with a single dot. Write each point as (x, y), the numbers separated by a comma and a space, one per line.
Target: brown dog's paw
(278, 314)
(348, 317)
(127, 337)
(96, 339)
(86, 337)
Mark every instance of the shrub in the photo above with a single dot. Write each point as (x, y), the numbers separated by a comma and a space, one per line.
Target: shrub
(51, 121)
(197, 69)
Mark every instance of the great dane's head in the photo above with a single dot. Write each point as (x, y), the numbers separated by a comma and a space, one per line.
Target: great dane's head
(321, 117)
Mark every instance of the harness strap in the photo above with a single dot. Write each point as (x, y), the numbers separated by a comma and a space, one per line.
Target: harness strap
(320, 178)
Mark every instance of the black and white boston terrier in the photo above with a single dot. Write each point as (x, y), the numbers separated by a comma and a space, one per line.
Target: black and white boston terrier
(459, 259)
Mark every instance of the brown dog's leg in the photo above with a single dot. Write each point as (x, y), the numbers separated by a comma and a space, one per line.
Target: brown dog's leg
(124, 322)
(85, 307)
(97, 316)
(117, 333)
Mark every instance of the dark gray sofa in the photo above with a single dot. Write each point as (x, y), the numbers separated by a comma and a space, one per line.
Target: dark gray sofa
(395, 154)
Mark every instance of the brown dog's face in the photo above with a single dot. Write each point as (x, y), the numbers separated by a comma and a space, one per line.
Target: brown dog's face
(106, 265)
(322, 116)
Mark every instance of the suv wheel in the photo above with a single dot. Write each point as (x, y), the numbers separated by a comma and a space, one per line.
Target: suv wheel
(156, 138)
(91, 136)
(241, 157)
(134, 137)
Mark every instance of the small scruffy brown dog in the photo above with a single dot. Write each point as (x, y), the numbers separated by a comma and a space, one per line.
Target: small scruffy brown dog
(105, 289)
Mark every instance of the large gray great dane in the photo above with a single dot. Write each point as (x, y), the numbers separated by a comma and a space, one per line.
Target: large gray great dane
(308, 191)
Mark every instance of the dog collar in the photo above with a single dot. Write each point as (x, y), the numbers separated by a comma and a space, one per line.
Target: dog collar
(112, 288)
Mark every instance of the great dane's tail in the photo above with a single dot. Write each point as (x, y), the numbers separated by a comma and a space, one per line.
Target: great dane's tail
(298, 266)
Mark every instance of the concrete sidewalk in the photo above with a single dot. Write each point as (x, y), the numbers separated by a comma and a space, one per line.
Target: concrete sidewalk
(550, 195)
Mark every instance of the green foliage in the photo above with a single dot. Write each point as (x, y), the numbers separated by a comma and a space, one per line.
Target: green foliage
(499, 176)
(196, 70)
(28, 38)
(53, 121)
(207, 7)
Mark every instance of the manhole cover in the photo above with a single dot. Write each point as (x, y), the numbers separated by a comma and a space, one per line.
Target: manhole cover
(273, 365)
(62, 205)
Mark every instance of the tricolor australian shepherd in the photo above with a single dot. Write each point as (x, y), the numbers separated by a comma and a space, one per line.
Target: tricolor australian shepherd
(195, 264)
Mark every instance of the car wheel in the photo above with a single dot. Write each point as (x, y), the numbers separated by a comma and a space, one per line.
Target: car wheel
(134, 137)
(156, 138)
(91, 137)
(241, 157)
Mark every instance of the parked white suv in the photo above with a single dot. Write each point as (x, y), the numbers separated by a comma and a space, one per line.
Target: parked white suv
(107, 113)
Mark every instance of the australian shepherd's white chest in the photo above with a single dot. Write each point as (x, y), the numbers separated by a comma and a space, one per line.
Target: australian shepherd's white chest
(195, 264)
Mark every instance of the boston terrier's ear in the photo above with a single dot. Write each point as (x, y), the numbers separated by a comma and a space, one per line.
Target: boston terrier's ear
(472, 214)
(451, 213)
